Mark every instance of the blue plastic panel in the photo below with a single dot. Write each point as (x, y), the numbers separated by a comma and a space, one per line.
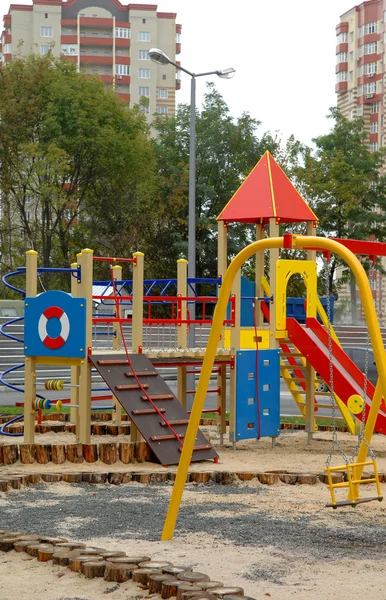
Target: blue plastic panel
(266, 395)
(55, 325)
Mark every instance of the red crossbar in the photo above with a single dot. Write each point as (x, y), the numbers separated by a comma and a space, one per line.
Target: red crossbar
(113, 259)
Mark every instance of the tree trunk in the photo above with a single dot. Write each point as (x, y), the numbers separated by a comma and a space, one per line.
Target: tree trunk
(74, 453)
(108, 453)
(58, 454)
(90, 452)
(10, 454)
(43, 453)
(126, 454)
(93, 569)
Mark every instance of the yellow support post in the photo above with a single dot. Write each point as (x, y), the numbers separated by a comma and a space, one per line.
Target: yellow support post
(137, 321)
(83, 433)
(30, 361)
(117, 343)
(182, 291)
(222, 264)
(273, 259)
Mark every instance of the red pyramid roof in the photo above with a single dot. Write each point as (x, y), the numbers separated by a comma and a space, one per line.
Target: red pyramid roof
(266, 193)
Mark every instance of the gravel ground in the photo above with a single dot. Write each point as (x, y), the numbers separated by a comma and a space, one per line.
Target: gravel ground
(232, 512)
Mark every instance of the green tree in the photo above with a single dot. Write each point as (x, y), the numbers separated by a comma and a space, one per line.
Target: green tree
(77, 166)
(341, 178)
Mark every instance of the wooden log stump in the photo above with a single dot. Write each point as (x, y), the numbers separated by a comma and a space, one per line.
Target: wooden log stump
(93, 569)
(288, 478)
(227, 591)
(45, 552)
(141, 477)
(75, 564)
(187, 588)
(108, 555)
(223, 477)
(169, 588)
(43, 428)
(10, 454)
(336, 477)
(6, 543)
(87, 477)
(43, 453)
(34, 478)
(192, 576)
(204, 477)
(91, 551)
(172, 570)
(142, 452)
(142, 575)
(63, 558)
(70, 428)
(126, 477)
(90, 452)
(32, 549)
(51, 477)
(246, 476)
(72, 477)
(154, 564)
(1, 454)
(108, 453)
(112, 429)
(74, 453)
(58, 428)
(126, 452)
(71, 546)
(133, 560)
(99, 429)
(307, 479)
(98, 478)
(4, 485)
(115, 478)
(27, 453)
(268, 478)
(236, 597)
(52, 540)
(15, 482)
(208, 585)
(124, 429)
(21, 546)
(119, 572)
(202, 595)
(58, 453)
(158, 477)
(155, 582)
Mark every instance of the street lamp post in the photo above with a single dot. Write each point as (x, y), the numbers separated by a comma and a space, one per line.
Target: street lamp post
(159, 57)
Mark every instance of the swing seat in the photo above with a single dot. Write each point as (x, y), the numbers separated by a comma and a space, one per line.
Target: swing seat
(352, 484)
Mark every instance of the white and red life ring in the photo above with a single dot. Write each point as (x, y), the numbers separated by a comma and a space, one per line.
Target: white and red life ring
(54, 343)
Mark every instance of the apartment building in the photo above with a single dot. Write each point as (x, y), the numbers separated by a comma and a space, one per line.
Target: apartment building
(104, 38)
(360, 88)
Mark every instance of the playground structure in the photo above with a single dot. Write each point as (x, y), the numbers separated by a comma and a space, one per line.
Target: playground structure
(256, 357)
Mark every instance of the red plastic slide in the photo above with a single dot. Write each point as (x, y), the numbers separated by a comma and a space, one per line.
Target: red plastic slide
(312, 342)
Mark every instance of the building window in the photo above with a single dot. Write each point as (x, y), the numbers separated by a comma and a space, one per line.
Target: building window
(121, 70)
(351, 56)
(370, 88)
(46, 15)
(178, 38)
(360, 110)
(351, 76)
(368, 49)
(371, 68)
(45, 31)
(164, 76)
(162, 110)
(143, 54)
(352, 114)
(371, 28)
(144, 73)
(341, 76)
(374, 108)
(351, 95)
(374, 127)
(341, 38)
(341, 57)
(163, 93)
(374, 147)
(351, 36)
(144, 91)
(144, 36)
(360, 90)
(144, 21)
(69, 49)
(44, 49)
(361, 31)
(144, 109)
(122, 32)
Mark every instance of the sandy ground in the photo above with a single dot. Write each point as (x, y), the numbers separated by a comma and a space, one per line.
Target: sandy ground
(296, 549)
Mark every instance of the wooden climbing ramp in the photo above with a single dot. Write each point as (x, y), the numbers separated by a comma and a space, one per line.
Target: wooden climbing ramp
(152, 407)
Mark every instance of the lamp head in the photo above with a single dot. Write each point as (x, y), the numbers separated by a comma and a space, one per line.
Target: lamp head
(159, 57)
(226, 73)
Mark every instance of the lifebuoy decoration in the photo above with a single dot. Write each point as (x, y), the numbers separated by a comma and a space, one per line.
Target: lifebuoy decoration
(54, 343)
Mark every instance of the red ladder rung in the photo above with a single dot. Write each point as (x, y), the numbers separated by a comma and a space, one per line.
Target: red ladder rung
(130, 387)
(165, 438)
(176, 422)
(148, 411)
(113, 362)
(157, 397)
(142, 374)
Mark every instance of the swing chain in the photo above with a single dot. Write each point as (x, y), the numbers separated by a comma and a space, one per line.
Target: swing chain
(335, 441)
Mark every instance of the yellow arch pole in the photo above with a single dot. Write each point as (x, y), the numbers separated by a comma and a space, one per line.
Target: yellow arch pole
(372, 325)
(218, 317)
(203, 383)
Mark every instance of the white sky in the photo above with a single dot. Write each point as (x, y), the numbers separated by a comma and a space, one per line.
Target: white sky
(283, 52)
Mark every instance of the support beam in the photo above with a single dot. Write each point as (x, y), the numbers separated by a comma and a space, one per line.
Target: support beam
(74, 393)
(85, 260)
(235, 345)
(182, 290)
(273, 258)
(310, 371)
(259, 273)
(30, 362)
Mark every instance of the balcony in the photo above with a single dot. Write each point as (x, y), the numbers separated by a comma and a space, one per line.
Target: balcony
(343, 66)
(95, 22)
(342, 28)
(122, 42)
(341, 48)
(123, 79)
(125, 97)
(122, 60)
(178, 84)
(7, 38)
(96, 60)
(68, 39)
(7, 20)
(339, 87)
(85, 40)
(178, 48)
